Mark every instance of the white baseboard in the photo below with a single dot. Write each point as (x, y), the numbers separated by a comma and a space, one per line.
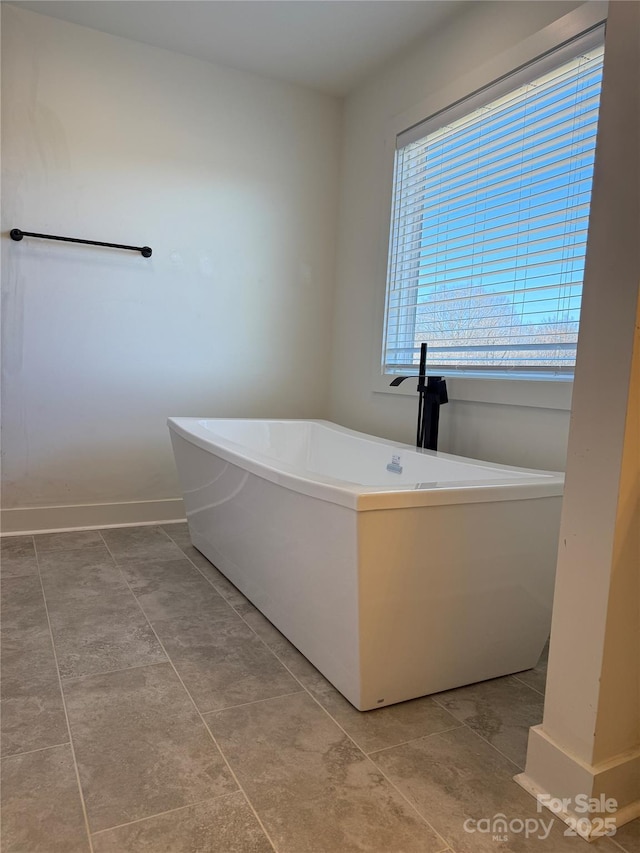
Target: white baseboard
(87, 516)
(557, 778)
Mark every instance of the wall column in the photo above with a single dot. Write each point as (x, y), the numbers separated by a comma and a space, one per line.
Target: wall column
(589, 741)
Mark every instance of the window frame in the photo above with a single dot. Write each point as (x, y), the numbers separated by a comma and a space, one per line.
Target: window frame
(554, 393)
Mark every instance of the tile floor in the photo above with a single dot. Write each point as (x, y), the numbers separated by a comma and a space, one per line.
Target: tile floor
(148, 706)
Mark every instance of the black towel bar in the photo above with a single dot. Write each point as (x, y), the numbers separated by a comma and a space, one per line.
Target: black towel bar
(17, 234)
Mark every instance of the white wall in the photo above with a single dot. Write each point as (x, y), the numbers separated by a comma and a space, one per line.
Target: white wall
(450, 64)
(231, 179)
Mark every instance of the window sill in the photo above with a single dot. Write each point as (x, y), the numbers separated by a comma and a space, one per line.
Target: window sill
(536, 393)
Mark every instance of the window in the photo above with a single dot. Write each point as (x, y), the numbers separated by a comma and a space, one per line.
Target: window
(489, 224)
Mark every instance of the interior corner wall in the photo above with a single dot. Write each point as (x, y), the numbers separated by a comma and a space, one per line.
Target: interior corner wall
(520, 435)
(232, 179)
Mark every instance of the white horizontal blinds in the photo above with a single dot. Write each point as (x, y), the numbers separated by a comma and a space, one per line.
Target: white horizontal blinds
(489, 225)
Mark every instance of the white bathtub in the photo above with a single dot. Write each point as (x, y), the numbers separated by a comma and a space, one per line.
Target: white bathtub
(394, 585)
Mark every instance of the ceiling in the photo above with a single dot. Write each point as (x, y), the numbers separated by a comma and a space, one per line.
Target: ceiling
(330, 45)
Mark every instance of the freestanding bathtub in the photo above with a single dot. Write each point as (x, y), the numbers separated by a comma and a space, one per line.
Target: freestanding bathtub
(396, 572)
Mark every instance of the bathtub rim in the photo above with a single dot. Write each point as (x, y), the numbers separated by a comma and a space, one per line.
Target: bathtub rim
(360, 497)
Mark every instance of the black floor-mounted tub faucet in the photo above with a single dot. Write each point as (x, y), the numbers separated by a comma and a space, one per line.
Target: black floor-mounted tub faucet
(432, 392)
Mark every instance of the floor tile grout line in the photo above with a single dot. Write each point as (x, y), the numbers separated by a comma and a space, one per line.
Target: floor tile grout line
(203, 721)
(484, 739)
(383, 774)
(7, 539)
(160, 527)
(414, 739)
(535, 689)
(41, 553)
(618, 843)
(88, 547)
(347, 735)
(4, 577)
(168, 811)
(70, 678)
(66, 713)
(254, 702)
(201, 573)
(30, 751)
(126, 588)
(197, 568)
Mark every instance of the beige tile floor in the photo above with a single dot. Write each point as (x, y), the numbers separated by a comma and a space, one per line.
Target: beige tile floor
(148, 707)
